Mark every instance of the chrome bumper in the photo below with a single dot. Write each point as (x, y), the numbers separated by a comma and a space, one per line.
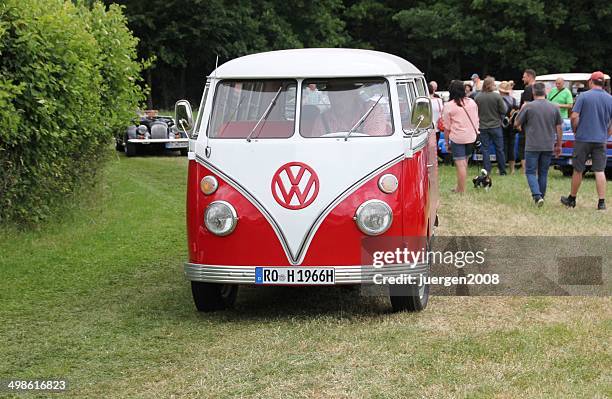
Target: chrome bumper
(344, 274)
(153, 141)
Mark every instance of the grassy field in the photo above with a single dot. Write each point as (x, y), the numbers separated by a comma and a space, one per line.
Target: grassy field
(99, 298)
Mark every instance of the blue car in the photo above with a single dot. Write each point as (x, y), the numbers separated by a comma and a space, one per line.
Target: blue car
(564, 162)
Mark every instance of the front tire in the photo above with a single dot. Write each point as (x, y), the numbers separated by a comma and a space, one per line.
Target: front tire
(408, 298)
(209, 297)
(119, 145)
(130, 149)
(411, 297)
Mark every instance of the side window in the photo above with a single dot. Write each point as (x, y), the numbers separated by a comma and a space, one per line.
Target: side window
(200, 112)
(412, 91)
(421, 87)
(405, 103)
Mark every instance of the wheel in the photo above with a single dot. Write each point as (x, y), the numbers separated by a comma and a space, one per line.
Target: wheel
(447, 159)
(209, 297)
(184, 151)
(119, 145)
(408, 298)
(567, 170)
(130, 149)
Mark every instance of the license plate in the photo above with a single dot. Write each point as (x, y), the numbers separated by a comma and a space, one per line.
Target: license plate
(295, 275)
(177, 145)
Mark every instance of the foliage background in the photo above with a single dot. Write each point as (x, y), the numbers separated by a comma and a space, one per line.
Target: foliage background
(68, 80)
(446, 39)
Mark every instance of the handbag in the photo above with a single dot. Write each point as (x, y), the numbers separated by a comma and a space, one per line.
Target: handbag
(440, 122)
(477, 143)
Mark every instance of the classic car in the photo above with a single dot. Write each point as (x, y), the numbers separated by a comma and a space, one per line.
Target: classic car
(152, 130)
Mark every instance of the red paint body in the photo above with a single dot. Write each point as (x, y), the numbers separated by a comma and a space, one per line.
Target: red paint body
(337, 241)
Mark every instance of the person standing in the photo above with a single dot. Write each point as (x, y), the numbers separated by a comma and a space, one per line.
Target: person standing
(477, 82)
(529, 77)
(436, 106)
(460, 116)
(561, 97)
(433, 88)
(491, 110)
(509, 131)
(591, 121)
(468, 90)
(541, 122)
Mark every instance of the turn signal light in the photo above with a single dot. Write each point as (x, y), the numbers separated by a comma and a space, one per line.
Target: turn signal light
(209, 185)
(388, 183)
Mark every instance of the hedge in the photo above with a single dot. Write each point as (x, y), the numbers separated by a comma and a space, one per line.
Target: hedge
(69, 79)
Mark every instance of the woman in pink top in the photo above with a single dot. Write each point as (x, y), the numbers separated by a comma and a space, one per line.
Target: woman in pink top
(460, 116)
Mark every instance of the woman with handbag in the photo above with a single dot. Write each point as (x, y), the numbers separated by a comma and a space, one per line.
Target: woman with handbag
(460, 117)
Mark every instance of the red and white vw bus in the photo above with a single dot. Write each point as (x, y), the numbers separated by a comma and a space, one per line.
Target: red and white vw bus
(295, 158)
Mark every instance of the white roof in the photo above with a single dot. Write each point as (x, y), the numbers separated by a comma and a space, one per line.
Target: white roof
(315, 62)
(571, 77)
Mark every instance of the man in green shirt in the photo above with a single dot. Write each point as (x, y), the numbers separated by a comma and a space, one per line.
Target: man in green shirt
(561, 97)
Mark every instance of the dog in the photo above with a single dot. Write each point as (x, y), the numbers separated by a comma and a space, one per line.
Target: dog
(483, 180)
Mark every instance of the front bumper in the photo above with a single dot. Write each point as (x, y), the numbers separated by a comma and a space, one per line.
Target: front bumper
(154, 141)
(344, 274)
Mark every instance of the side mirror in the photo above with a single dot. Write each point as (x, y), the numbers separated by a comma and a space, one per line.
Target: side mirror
(183, 116)
(421, 113)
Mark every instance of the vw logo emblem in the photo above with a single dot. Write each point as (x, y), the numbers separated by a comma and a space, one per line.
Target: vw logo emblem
(295, 185)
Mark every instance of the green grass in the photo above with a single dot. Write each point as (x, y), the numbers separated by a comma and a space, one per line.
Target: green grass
(99, 298)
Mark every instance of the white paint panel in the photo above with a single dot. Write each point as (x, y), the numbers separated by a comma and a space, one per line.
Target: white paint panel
(315, 62)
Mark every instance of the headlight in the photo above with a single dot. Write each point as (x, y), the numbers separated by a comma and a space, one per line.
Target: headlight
(374, 217)
(220, 218)
(208, 185)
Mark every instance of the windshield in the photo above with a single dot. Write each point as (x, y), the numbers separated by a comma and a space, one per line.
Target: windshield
(335, 107)
(253, 108)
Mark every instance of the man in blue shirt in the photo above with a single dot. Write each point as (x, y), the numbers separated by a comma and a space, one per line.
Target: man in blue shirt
(591, 118)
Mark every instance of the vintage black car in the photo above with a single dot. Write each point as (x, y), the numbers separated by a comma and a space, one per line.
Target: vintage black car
(150, 129)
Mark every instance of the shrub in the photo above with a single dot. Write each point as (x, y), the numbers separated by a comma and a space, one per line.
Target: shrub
(68, 81)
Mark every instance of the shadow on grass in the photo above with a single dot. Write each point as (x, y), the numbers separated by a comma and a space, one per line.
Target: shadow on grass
(174, 302)
(306, 302)
(144, 151)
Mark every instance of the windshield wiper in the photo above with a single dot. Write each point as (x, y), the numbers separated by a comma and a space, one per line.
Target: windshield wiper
(265, 114)
(232, 116)
(362, 119)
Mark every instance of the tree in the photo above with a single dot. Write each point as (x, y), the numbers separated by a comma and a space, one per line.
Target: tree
(185, 37)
